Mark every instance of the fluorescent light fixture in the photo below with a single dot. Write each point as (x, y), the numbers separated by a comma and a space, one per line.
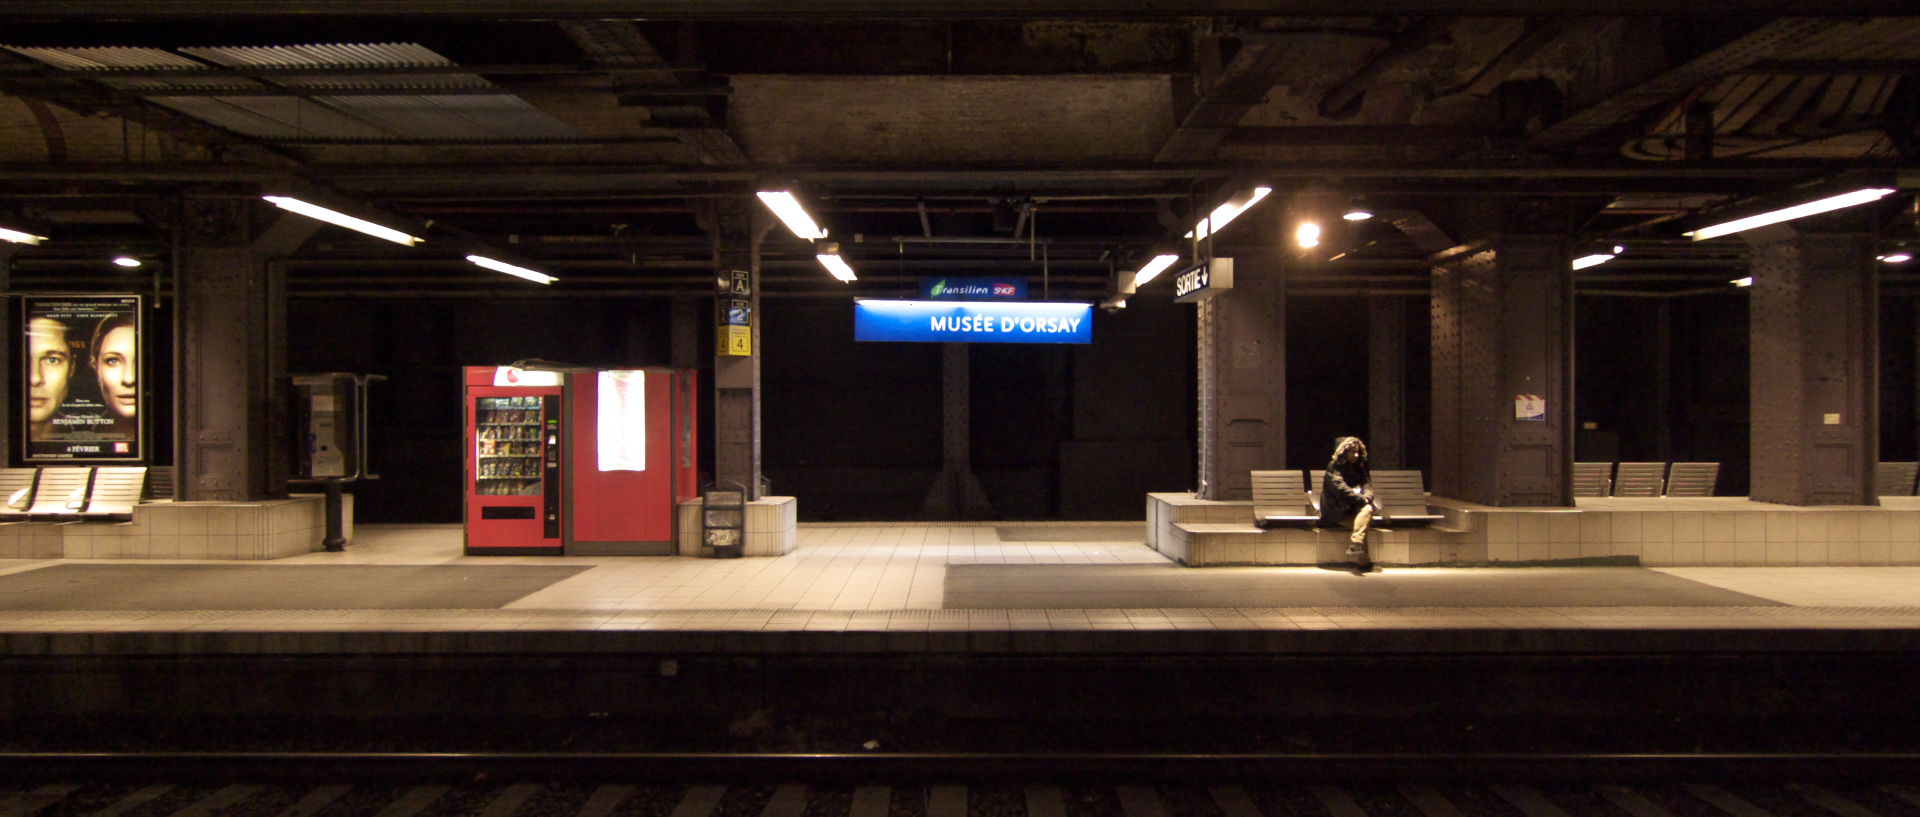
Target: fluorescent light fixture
(1742, 282)
(518, 272)
(836, 265)
(787, 207)
(315, 211)
(1227, 212)
(1896, 257)
(1830, 203)
(18, 237)
(1593, 260)
(1307, 235)
(127, 261)
(1153, 268)
(1357, 210)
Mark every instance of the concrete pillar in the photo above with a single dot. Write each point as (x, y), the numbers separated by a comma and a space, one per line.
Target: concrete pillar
(737, 231)
(1387, 382)
(1503, 328)
(230, 357)
(956, 491)
(1243, 379)
(1814, 367)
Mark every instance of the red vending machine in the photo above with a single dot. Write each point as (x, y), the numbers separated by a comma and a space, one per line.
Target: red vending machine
(630, 459)
(585, 462)
(513, 489)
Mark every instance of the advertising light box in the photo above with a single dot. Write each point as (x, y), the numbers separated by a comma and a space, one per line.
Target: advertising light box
(81, 383)
(972, 322)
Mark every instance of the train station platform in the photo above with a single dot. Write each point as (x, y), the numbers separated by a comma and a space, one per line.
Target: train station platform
(1083, 588)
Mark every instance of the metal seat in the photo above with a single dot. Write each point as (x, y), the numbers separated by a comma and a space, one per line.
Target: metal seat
(1402, 496)
(1280, 499)
(1592, 478)
(1640, 479)
(1692, 478)
(1894, 478)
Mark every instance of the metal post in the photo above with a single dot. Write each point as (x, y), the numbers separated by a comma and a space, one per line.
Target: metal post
(336, 540)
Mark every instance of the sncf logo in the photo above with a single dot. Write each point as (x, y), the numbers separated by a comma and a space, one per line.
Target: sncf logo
(1004, 289)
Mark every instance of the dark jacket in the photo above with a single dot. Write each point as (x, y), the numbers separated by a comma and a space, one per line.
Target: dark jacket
(1340, 496)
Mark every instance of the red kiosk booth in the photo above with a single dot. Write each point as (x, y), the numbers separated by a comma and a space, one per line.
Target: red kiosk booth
(579, 462)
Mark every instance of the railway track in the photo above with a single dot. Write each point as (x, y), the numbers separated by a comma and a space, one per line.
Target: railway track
(417, 785)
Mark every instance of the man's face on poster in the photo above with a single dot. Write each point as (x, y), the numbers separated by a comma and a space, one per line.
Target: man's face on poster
(118, 369)
(49, 368)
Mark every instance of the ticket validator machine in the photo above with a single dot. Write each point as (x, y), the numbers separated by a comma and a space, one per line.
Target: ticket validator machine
(330, 439)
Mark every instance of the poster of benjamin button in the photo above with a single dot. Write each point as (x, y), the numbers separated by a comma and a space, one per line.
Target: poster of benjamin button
(82, 377)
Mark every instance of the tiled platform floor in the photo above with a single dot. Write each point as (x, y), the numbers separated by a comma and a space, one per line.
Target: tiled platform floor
(890, 578)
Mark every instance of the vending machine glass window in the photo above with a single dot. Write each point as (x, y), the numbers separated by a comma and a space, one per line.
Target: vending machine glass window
(510, 447)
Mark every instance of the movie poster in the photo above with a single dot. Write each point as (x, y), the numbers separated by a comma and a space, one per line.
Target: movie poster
(82, 369)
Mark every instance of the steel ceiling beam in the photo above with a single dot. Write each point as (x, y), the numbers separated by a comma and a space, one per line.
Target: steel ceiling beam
(945, 177)
(1762, 43)
(95, 10)
(620, 48)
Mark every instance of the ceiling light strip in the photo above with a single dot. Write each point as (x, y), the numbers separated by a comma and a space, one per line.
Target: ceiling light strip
(1227, 212)
(1827, 204)
(516, 271)
(315, 211)
(18, 237)
(787, 207)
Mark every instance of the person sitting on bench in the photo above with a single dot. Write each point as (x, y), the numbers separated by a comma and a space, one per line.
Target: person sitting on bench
(1346, 498)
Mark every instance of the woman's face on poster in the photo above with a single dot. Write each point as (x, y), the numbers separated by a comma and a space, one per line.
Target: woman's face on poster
(49, 368)
(119, 371)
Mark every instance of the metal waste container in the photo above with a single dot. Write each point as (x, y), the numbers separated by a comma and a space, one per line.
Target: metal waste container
(723, 521)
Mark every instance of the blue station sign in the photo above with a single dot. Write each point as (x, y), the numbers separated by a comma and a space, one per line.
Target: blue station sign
(953, 288)
(972, 321)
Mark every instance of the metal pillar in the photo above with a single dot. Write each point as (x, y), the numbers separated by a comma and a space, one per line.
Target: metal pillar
(1503, 334)
(1815, 352)
(1387, 382)
(956, 491)
(1242, 340)
(737, 233)
(230, 361)
(7, 252)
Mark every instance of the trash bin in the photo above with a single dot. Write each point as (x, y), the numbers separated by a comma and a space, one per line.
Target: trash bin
(723, 521)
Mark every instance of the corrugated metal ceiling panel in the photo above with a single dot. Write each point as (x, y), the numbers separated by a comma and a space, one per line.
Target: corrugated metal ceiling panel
(106, 58)
(401, 116)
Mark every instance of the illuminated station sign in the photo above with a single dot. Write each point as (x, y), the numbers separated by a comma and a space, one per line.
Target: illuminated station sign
(972, 321)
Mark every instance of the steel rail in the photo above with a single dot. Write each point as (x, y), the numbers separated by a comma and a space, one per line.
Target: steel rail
(851, 767)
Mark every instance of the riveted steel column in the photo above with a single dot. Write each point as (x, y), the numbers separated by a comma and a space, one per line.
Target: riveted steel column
(1814, 367)
(1243, 379)
(1387, 382)
(230, 363)
(7, 252)
(735, 227)
(1503, 332)
(956, 491)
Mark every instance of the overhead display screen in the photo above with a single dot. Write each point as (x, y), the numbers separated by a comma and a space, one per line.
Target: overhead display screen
(972, 321)
(81, 377)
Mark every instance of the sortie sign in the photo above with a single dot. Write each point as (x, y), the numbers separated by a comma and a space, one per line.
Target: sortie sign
(1204, 281)
(972, 322)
